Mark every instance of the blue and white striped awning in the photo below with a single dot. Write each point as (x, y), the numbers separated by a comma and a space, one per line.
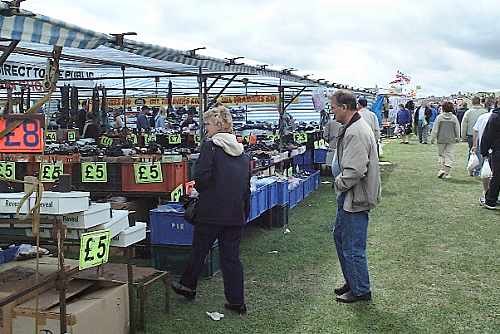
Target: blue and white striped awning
(44, 30)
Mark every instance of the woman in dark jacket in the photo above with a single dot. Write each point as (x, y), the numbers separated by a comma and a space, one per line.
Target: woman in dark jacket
(222, 177)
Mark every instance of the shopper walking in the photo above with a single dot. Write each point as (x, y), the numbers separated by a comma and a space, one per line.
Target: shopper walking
(422, 119)
(446, 132)
(477, 134)
(470, 118)
(357, 184)
(490, 142)
(404, 123)
(222, 179)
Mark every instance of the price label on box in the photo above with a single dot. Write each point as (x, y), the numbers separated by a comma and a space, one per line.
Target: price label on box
(132, 138)
(106, 141)
(175, 195)
(8, 170)
(94, 172)
(146, 172)
(94, 249)
(149, 138)
(71, 135)
(300, 137)
(50, 172)
(174, 139)
(51, 136)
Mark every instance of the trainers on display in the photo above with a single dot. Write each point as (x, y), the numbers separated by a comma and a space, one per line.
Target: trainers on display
(482, 200)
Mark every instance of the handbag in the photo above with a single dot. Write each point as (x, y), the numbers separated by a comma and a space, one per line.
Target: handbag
(190, 205)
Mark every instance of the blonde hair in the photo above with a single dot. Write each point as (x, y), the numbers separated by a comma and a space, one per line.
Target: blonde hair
(221, 117)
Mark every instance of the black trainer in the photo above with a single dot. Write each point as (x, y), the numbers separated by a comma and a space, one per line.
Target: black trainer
(183, 290)
(343, 289)
(348, 297)
(241, 309)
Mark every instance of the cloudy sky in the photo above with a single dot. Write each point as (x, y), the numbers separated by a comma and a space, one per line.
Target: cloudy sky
(445, 46)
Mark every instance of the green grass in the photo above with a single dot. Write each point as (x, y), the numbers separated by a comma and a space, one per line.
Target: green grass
(433, 255)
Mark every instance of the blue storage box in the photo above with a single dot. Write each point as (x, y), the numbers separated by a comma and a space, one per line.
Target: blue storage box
(298, 160)
(308, 158)
(168, 226)
(272, 194)
(300, 192)
(320, 156)
(282, 189)
(317, 179)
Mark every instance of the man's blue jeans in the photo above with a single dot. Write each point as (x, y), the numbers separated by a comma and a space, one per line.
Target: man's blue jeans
(350, 234)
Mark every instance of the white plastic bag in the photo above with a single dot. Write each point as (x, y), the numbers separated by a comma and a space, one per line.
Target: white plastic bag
(486, 170)
(473, 162)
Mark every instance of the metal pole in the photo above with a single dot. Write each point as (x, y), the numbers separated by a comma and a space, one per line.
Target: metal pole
(124, 90)
(202, 103)
(281, 127)
(245, 81)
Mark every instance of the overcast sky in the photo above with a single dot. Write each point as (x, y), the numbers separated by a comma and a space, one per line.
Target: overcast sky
(445, 46)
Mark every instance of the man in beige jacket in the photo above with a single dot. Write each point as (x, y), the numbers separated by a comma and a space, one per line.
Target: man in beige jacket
(357, 184)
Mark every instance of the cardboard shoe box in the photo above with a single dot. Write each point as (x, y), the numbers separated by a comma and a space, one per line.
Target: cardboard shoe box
(105, 310)
(10, 201)
(130, 236)
(98, 213)
(57, 203)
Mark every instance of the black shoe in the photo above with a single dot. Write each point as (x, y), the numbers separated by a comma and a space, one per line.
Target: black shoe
(348, 297)
(343, 289)
(241, 309)
(183, 290)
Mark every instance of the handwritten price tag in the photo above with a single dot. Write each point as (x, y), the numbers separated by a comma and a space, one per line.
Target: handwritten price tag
(149, 138)
(94, 172)
(106, 141)
(174, 139)
(148, 172)
(8, 170)
(50, 172)
(51, 136)
(72, 135)
(132, 138)
(175, 195)
(94, 249)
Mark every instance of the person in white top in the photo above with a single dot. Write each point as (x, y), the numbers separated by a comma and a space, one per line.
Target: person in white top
(477, 133)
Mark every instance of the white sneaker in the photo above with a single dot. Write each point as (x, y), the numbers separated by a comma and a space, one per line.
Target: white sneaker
(447, 176)
(482, 200)
(441, 173)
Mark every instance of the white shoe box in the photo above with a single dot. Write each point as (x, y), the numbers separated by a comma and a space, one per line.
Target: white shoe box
(98, 213)
(117, 223)
(130, 236)
(57, 203)
(10, 201)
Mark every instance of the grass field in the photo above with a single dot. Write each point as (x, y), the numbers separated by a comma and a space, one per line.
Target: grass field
(433, 254)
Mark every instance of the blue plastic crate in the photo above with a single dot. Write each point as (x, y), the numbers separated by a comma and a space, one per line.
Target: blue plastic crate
(292, 196)
(300, 192)
(308, 185)
(168, 226)
(272, 194)
(320, 156)
(296, 195)
(298, 160)
(308, 158)
(317, 179)
(282, 189)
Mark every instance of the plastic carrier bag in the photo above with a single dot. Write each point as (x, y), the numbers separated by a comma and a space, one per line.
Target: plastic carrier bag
(486, 170)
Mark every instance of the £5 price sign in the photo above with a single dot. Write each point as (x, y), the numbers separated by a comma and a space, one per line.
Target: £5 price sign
(94, 172)
(8, 170)
(27, 137)
(94, 249)
(50, 172)
(147, 172)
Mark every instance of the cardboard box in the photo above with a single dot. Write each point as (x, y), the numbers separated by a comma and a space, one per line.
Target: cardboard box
(97, 213)
(105, 310)
(130, 236)
(57, 203)
(10, 201)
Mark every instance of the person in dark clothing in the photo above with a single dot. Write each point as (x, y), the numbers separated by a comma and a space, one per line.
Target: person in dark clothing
(142, 119)
(461, 112)
(222, 177)
(188, 121)
(91, 128)
(82, 117)
(491, 141)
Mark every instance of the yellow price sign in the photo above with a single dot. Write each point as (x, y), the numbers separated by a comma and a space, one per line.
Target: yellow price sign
(8, 170)
(197, 139)
(149, 138)
(290, 171)
(316, 145)
(94, 172)
(300, 137)
(94, 249)
(132, 138)
(175, 195)
(72, 135)
(51, 136)
(147, 172)
(174, 139)
(322, 142)
(50, 172)
(106, 141)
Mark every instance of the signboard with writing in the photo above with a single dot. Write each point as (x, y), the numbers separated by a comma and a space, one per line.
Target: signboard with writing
(147, 172)
(175, 195)
(71, 135)
(51, 136)
(26, 138)
(8, 170)
(49, 172)
(94, 249)
(149, 138)
(300, 137)
(132, 138)
(174, 139)
(106, 141)
(94, 172)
